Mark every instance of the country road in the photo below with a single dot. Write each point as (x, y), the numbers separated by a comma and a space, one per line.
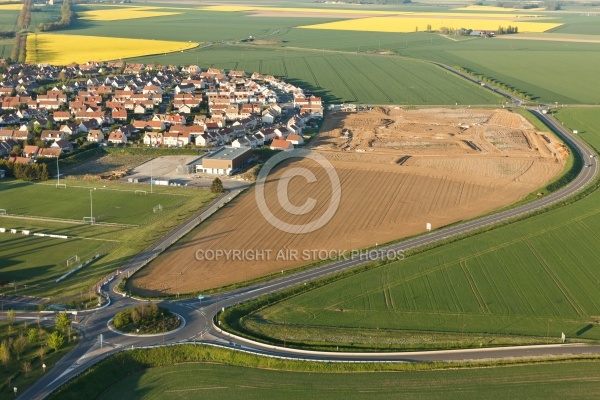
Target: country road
(199, 314)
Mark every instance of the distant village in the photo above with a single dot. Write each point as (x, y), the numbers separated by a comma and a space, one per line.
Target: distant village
(48, 111)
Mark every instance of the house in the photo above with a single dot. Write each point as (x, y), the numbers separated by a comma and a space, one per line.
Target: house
(87, 126)
(281, 144)
(117, 138)
(51, 152)
(176, 139)
(95, 136)
(295, 139)
(240, 142)
(119, 114)
(61, 116)
(69, 129)
(62, 144)
(7, 146)
(30, 151)
(20, 160)
(153, 138)
(51, 136)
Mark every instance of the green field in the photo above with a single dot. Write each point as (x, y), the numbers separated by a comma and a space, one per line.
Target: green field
(573, 380)
(368, 79)
(534, 278)
(34, 262)
(192, 372)
(112, 204)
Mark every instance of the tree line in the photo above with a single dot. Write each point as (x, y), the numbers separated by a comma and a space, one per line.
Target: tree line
(26, 172)
(67, 17)
(25, 15)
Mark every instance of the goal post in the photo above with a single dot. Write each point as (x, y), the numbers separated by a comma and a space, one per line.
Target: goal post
(91, 220)
(2, 211)
(72, 260)
(61, 185)
(157, 208)
(141, 192)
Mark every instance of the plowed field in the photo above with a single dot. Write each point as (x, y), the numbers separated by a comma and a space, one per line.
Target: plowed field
(399, 169)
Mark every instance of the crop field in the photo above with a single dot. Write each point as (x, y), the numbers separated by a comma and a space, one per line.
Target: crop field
(10, 7)
(443, 181)
(534, 67)
(118, 14)
(49, 48)
(411, 24)
(37, 261)
(366, 79)
(537, 277)
(187, 381)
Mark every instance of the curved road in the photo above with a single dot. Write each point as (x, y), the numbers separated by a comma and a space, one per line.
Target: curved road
(199, 314)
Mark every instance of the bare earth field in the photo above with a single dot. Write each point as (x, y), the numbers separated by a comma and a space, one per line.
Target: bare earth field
(399, 169)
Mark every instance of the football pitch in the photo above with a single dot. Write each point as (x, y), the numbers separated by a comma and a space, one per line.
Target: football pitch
(114, 203)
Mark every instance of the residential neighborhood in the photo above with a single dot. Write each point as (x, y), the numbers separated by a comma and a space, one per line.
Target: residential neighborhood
(49, 112)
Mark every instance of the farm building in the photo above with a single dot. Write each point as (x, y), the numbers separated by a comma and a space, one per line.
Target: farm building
(224, 161)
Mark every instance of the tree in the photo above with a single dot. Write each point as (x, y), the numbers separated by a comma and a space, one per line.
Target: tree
(62, 321)
(26, 365)
(217, 186)
(19, 345)
(55, 340)
(5, 353)
(32, 335)
(11, 315)
(41, 353)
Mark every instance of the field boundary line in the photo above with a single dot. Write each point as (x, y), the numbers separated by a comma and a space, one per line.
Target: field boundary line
(66, 221)
(116, 190)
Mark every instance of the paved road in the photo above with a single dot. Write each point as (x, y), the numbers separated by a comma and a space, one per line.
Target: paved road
(199, 315)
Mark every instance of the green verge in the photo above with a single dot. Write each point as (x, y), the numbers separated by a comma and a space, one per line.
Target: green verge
(96, 382)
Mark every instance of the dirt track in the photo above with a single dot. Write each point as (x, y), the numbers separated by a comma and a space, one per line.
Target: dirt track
(398, 170)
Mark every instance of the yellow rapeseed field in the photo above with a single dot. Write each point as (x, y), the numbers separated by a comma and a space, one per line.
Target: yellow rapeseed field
(10, 7)
(51, 48)
(411, 24)
(123, 13)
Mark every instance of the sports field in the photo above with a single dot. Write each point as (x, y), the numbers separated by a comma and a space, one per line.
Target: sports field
(114, 204)
(189, 381)
(35, 262)
(537, 277)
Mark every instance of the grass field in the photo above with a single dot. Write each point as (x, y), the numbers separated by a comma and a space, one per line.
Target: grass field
(36, 262)
(190, 381)
(538, 277)
(113, 204)
(48, 48)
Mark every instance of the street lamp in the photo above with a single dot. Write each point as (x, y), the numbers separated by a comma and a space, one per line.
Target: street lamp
(91, 207)
(44, 367)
